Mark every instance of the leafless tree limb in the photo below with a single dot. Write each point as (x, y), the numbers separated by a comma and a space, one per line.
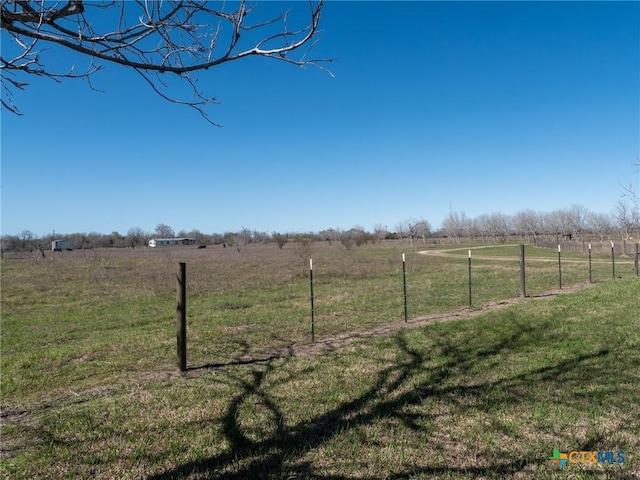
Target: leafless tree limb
(630, 192)
(151, 37)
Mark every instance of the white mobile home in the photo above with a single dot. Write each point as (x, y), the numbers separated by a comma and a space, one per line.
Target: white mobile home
(163, 242)
(58, 245)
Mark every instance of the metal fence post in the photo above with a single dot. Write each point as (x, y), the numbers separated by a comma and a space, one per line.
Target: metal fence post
(313, 310)
(523, 291)
(590, 275)
(404, 288)
(469, 278)
(181, 316)
(613, 262)
(559, 268)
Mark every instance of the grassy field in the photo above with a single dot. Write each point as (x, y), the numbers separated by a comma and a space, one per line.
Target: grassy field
(90, 388)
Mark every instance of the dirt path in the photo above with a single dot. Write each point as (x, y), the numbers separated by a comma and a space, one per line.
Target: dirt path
(513, 258)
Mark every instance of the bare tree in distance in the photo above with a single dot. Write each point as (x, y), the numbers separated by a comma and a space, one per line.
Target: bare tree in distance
(380, 231)
(601, 224)
(629, 192)
(136, 236)
(414, 229)
(456, 225)
(241, 238)
(497, 226)
(280, 239)
(627, 216)
(302, 246)
(164, 231)
(576, 217)
(181, 38)
(527, 222)
(346, 239)
(627, 210)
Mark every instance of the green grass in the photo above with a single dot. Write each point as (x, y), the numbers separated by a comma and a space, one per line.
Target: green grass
(89, 387)
(79, 319)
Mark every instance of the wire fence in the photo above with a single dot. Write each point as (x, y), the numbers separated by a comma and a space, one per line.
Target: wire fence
(326, 299)
(598, 247)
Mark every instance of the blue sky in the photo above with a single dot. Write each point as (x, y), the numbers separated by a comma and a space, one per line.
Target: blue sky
(478, 107)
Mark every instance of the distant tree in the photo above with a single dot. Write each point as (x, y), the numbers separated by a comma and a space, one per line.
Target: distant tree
(360, 236)
(280, 239)
(346, 239)
(558, 224)
(197, 235)
(630, 220)
(78, 240)
(151, 38)
(302, 246)
(10, 243)
(419, 229)
(527, 222)
(164, 231)
(242, 238)
(26, 240)
(228, 238)
(627, 216)
(238, 239)
(355, 236)
(497, 225)
(414, 229)
(27, 237)
(576, 217)
(260, 237)
(136, 237)
(601, 224)
(380, 231)
(205, 238)
(217, 238)
(473, 229)
(455, 225)
(116, 240)
(329, 235)
(629, 192)
(547, 223)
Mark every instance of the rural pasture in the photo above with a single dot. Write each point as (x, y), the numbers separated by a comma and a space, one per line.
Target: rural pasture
(90, 387)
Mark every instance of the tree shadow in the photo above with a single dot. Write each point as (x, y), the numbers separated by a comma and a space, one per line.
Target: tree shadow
(408, 382)
(244, 355)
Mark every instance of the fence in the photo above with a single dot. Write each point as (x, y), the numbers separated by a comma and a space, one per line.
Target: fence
(345, 303)
(625, 248)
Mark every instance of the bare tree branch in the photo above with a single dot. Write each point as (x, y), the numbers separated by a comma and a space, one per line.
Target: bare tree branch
(152, 38)
(630, 192)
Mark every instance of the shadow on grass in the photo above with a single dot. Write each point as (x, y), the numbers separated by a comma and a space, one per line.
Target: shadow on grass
(244, 356)
(237, 361)
(408, 382)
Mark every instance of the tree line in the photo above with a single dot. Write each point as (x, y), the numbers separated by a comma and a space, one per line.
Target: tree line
(573, 223)
(137, 237)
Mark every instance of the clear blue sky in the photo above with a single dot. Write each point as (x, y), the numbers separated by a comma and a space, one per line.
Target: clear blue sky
(477, 106)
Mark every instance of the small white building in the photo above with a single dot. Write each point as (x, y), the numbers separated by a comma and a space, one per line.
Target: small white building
(164, 242)
(58, 245)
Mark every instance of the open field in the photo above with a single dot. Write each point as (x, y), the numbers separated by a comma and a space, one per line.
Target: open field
(98, 315)
(90, 388)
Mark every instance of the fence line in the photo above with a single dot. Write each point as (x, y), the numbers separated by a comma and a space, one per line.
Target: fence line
(598, 247)
(181, 289)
